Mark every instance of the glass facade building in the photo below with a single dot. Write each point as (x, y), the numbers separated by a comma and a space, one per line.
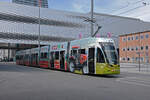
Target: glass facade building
(44, 3)
(19, 24)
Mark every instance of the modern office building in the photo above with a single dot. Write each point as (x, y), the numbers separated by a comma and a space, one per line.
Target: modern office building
(135, 47)
(19, 25)
(44, 3)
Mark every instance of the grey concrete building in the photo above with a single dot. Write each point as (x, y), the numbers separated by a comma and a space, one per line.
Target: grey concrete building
(44, 3)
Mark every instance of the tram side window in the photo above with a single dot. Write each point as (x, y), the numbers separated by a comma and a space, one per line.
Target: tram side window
(52, 55)
(81, 51)
(32, 56)
(21, 57)
(43, 55)
(100, 56)
(17, 57)
(25, 56)
(56, 55)
(73, 52)
(36, 55)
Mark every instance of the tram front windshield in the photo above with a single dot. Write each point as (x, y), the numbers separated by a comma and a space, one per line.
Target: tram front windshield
(110, 53)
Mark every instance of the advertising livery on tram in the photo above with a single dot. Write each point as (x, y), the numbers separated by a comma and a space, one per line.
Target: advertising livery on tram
(84, 56)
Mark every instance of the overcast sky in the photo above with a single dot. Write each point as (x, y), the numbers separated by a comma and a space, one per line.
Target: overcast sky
(129, 8)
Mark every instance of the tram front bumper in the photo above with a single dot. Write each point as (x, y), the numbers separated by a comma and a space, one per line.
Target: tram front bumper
(106, 69)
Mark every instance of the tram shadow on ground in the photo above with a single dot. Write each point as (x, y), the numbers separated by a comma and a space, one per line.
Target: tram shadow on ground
(23, 68)
(105, 76)
(66, 71)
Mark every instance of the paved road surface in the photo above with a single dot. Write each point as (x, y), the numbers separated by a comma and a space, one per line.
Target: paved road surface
(135, 68)
(29, 83)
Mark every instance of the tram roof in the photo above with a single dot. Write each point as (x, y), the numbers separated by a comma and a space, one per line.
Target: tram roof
(94, 39)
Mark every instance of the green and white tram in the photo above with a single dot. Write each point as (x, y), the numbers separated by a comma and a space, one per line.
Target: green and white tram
(100, 56)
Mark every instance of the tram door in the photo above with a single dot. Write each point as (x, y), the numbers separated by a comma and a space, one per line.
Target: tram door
(52, 59)
(62, 60)
(91, 60)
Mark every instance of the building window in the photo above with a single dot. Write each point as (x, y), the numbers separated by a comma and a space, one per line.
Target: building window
(124, 39)
(137, 37)
(132, 49)
(146, 47)
(147, 59)
(142, 37)
(137, 58)
(142, 47)
(147, 36)
(146, 54)
(124, 49)
(128, 49)
(137, 48)
(123, 59)
(132, 38)
(142, 59)
(133, 59)
(128, 38)
(128, 59)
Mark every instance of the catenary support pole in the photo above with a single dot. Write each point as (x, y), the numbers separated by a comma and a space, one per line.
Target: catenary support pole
(92, 10)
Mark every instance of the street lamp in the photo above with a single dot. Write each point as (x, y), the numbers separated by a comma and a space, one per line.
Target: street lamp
(92, 8)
